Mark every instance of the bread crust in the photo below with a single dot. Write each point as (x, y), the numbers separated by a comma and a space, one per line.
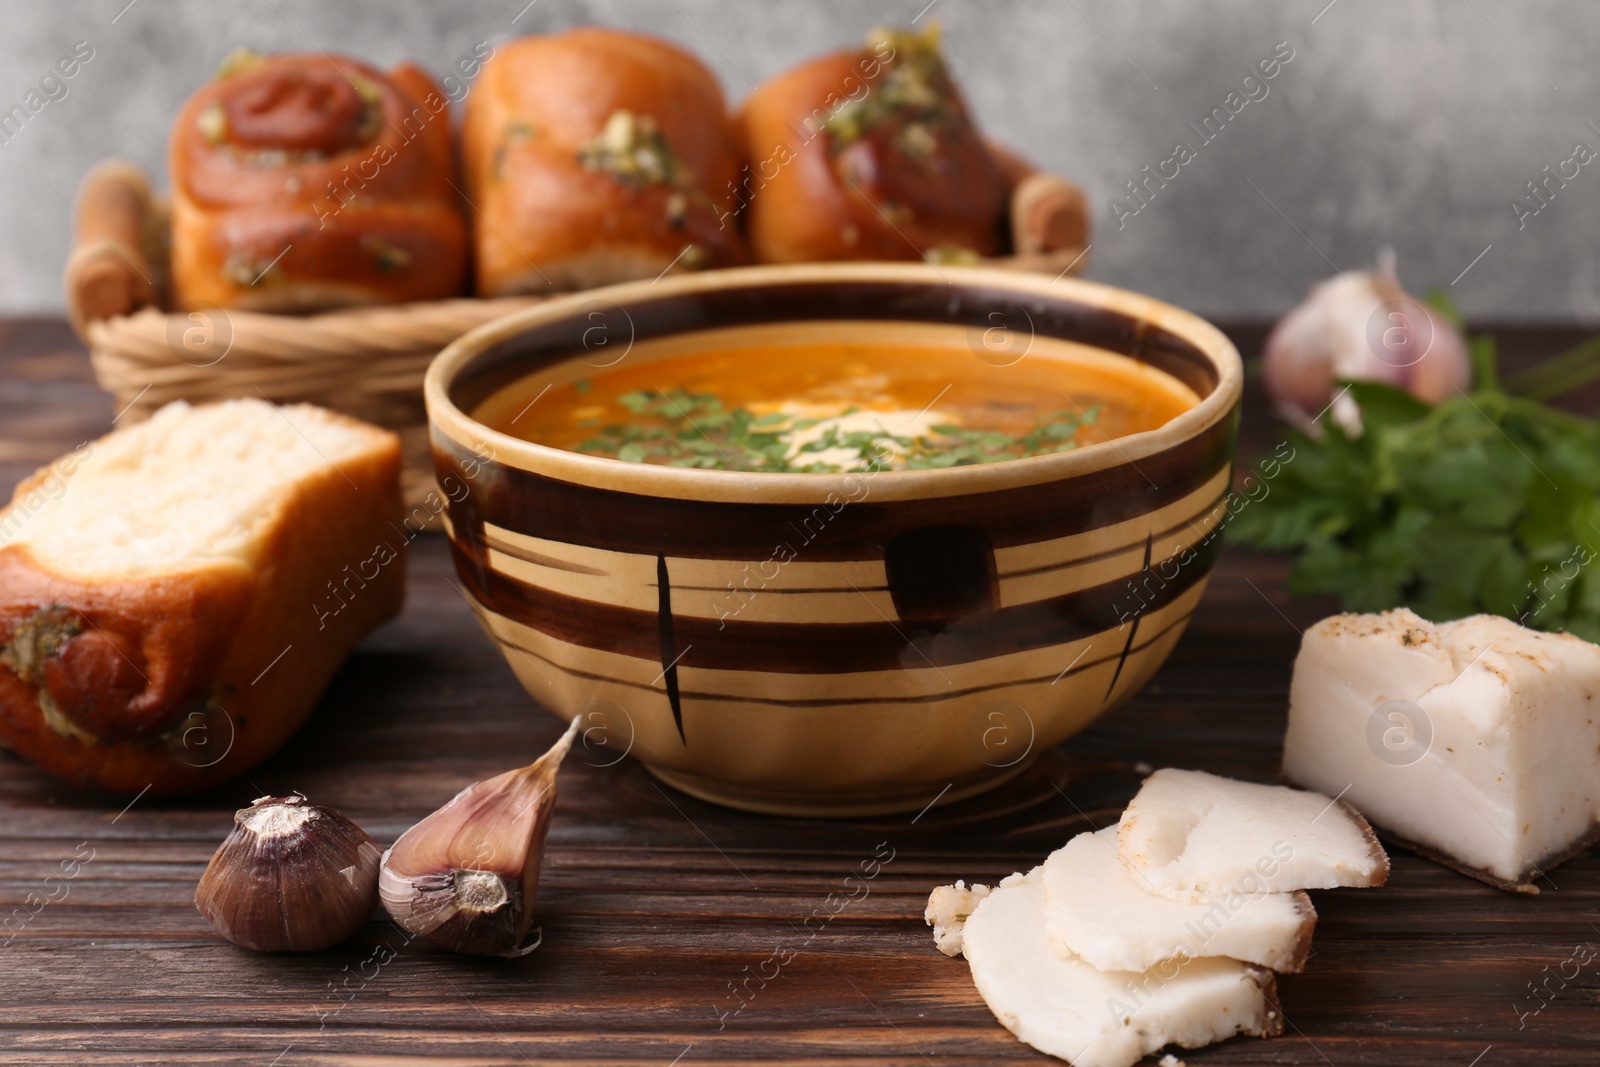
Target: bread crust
(311, 181)
(219, 664)
(543, 219)
(813, 195)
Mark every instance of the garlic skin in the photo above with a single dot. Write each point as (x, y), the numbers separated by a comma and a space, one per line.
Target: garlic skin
(1360, 326)
(290, 877)
(467, 875)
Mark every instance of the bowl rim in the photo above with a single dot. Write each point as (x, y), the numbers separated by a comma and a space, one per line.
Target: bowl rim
(794, 487)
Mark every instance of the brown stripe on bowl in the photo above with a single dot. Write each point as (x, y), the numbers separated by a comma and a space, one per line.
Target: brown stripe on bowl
(836, 644)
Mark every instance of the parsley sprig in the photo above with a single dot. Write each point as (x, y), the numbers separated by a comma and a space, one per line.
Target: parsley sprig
(1486, 502)
(680, 428)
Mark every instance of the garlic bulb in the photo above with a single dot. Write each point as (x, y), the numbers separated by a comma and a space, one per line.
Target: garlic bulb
(290, 877)
(1360, 326)
(466, 876)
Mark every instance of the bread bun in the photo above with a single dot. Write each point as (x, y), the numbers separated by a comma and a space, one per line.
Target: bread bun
(596, 156)
(312, 181)
(174, 597)
(868, 154)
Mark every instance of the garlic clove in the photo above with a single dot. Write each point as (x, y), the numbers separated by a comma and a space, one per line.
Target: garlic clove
(1360, 326)
(466, 876)
(290, 877)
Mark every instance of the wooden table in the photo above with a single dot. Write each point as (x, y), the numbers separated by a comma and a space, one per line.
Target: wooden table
(656, 907)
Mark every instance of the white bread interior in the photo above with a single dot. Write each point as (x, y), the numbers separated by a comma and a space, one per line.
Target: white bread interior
(191, 487)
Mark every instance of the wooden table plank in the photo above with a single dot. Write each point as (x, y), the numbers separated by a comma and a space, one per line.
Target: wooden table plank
(656, 907)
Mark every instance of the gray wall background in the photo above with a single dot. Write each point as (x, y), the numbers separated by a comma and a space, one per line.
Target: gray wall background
(1411, 123)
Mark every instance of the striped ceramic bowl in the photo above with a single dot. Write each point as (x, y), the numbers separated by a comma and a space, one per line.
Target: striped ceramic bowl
(836, 644)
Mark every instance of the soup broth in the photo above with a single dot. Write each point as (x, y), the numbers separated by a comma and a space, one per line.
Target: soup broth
(835, 397)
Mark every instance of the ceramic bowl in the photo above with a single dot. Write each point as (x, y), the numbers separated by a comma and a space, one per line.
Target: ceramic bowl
(836, 644)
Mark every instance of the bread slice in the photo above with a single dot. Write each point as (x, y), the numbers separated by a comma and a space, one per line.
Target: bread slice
(1196, 836)
(1097, 909)
(175, 596)
(1063, 1006)
(1477, 742)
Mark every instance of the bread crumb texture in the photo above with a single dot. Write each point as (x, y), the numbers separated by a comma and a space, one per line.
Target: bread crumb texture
(190, 487)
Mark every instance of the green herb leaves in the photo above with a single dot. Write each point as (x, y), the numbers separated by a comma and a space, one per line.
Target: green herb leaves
(683, 429)
(1484, 503)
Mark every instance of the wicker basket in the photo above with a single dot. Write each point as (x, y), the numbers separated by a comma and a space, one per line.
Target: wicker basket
(367, 362)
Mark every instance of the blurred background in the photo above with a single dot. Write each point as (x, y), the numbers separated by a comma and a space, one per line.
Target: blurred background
(1410, 123)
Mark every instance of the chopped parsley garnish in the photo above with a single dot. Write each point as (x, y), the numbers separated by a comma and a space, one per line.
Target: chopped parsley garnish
(679, 428)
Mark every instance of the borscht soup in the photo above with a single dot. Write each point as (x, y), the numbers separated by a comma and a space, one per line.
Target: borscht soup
(834, 397)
